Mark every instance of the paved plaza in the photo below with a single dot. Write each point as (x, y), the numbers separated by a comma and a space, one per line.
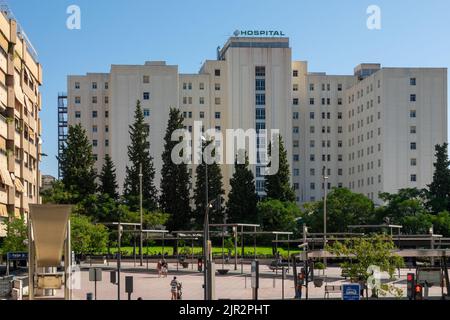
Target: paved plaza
(235, 285)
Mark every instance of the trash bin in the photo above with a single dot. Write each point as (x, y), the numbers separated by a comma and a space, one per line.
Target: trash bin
(89, 296)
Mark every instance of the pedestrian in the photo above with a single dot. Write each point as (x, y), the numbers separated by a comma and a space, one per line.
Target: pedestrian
(159, 268)
(165, 268)
(174, 288)
(300, 283)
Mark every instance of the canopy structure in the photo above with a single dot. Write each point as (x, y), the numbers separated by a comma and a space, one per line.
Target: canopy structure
(49, 238)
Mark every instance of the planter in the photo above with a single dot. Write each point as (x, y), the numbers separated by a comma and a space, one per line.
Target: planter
(318, 282)
(222, 272)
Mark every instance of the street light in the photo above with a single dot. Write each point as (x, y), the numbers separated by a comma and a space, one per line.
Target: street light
(141, 253)
(325, 182)
(205, 230)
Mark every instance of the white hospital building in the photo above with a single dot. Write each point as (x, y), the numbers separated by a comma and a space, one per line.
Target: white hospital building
(372, 131)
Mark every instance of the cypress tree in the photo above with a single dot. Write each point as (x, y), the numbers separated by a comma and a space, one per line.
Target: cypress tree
(439, 189)
(77, 164)
(108, 180)
(242, 199)
(175, 199)
(139, 154)
(278, 186)
(215, 192)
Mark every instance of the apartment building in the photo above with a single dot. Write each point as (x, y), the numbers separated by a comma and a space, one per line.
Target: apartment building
(371, 131)
(20, 126)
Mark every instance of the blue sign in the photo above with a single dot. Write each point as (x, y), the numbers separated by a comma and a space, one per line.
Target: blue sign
(351, 292)
(17, 256)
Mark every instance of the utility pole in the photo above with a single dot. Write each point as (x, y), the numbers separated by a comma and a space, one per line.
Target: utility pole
(206, 234)
(325, 182)
(141, 253)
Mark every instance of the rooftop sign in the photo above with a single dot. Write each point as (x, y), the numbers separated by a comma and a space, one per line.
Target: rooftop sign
(258, 33)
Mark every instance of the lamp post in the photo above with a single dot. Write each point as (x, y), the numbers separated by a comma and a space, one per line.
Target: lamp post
(141, 253)
(325, 182)
(205, 232)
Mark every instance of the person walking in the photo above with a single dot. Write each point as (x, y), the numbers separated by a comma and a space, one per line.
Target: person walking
(159, 268)
(165, 268)
(174, 288)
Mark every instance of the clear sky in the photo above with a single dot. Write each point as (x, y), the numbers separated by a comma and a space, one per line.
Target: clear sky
(331, 35)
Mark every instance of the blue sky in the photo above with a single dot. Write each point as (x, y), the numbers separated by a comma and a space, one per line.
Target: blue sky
(331, 35)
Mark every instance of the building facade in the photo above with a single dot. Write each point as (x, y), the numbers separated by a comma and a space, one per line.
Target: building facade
(372, 131)
(20, 126)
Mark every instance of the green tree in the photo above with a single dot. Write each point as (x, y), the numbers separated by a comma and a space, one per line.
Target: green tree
(407, 208)
(278, 186)
(439, 189)
(139, 154)
(16, 234)
(276, 215)
(108, 180)
(175, 198)
(366, 252)
(344, 208)
(87, 237)
(57, 194)
(242, 199)
(77, 164)
(215, 192)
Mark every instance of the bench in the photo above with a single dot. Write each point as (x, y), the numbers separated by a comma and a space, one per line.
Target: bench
(332, 289)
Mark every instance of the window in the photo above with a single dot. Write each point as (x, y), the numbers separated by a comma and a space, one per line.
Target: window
(260, 71)
(190, 100)
(94, 143)
(312, 143)
(296, 143)
(217, 115)
(413, 162)
(295, 129)
(412, 114)
(260, 99)
(340, 101)
(328, 87)
(311, 129)
(78, 114)
(106, 128)
(295, 101)
(413, 146)
(295, 115)
(311, 115)
(312, 186)
(202, 100)
(260, 84)
(339, 87)
(146, 79)
(311, 87)
(106, 143)
(146, 113)
(94, 114)
(95, 157)
(106, 114)
(94, 129)
(295, 87)
(202, 115)
(295, 73)
(311, 101)
(296, 172)
(412, 81)
(412, 98)
(184, 86)
(413, 178)
(296, 157)
(106, 85)
(217, 101)
(94, 85)
(340, 115)
(77, 85)
(106, 100)
(217, 86)
(77, 100)
(94, 99)
(323, 86)
(146, 95)
(217, 72)
(260, 114)
(412, 130)
(201, 86)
